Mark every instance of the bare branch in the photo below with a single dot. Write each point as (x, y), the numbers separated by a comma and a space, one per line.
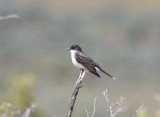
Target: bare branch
(11, 16)
(122, 109)
(138, 109)
(75, 92)
(16, 113)
(94, 108)
(105, 93)
(113, 108)
(29, 110)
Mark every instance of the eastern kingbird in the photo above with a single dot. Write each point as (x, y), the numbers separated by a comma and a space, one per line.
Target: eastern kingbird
(85, 63)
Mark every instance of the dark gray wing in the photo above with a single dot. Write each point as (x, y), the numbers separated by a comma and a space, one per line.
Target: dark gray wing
(87, 62)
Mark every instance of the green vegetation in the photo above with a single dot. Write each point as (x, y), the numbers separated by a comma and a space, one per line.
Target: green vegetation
(21, 87)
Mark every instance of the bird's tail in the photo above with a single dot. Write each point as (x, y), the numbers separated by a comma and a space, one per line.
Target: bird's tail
(107, 73)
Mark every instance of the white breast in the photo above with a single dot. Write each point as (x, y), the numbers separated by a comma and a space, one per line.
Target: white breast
(74, 61)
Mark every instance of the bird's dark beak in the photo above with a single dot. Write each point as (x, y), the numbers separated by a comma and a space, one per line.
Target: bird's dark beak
(68, 48)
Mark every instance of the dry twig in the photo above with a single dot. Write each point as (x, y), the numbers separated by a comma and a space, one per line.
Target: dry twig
(29, 110)
(11, 16)
(94, 108)
(137, 110)
(113, 108)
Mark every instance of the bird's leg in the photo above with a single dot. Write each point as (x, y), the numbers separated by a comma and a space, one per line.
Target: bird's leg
(81, 75)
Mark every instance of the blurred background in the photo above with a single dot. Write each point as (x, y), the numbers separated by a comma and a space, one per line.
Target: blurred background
(122, 36)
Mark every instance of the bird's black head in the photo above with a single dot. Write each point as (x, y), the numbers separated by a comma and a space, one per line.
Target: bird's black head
(75, 47)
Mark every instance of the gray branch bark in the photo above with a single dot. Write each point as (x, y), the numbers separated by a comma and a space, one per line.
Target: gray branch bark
(75, 92)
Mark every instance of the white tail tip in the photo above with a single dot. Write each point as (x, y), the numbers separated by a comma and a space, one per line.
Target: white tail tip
(114, 78)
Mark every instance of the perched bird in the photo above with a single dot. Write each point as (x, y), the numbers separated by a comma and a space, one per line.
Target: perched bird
(84, 62)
